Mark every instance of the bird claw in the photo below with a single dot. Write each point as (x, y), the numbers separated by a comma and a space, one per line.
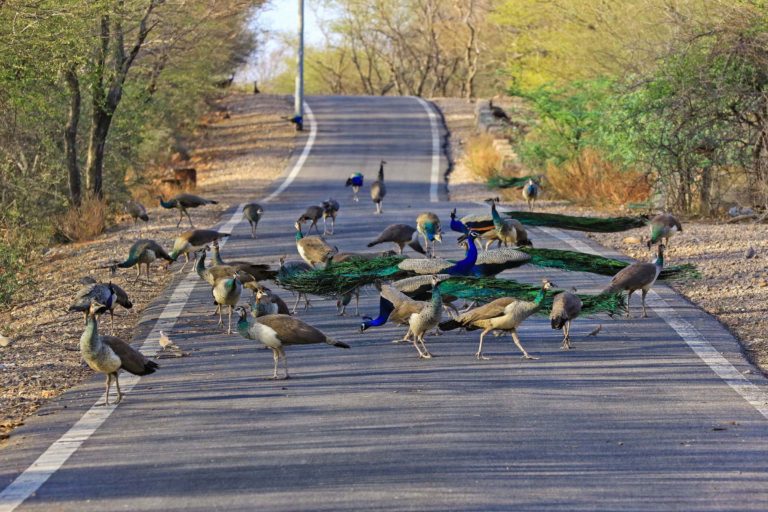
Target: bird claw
(480, 357)
(527, 357)
(425, 355)
(101, 404)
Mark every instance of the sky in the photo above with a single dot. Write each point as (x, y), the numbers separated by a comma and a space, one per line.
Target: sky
(275, 18)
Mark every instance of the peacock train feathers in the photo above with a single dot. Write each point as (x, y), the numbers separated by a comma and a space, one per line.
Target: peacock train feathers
(504, 182)
(578, 223)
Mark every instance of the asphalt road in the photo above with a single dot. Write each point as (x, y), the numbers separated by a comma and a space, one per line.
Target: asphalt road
(632, 419)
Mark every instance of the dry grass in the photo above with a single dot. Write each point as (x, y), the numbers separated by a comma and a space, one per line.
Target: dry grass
(87, 221)
(481, 157)
(592, 181)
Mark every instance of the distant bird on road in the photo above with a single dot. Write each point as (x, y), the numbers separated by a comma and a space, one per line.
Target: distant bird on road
(355, 181)
(531, 192)
(400, 235)
(312, 249)
(638, 276)
(280, 331)
(312, 214)
(183, 202)
(330, 210)
(379, 190)
(109, 355)
(226, 292)
(137, 211)
(252, 212)
(566, 307)
(145, 252)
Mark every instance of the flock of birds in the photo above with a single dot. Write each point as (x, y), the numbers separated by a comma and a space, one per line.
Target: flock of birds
(267, 318)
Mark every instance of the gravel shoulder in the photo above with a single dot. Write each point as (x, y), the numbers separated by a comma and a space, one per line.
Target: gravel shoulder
(732, 287)
(237, 155)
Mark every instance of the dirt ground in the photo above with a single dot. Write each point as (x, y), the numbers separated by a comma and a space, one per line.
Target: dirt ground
(237, 155)
(732, 287)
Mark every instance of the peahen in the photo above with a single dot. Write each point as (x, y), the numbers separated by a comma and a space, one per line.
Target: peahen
(379, 190)
(566, 307)
(638, 276)
(183, 202)
(400, 235)
(142, 252)
(192, 241)
(252, 212)
(531, 191)
(312, 214)
(137, 211)
(330, 210)
(107, 294)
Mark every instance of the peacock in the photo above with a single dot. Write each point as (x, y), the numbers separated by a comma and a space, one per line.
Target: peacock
(109, 355)
(379, 190)
(142, 252)
(312, 214)
(330, 210)
(137, 211)
(183, 202)
(355, 181)
(280, 331)
(289, 270)
(573, 222)
(428, 225)
(505, 232)
(663, 227)
(531, 191)
(192, 241)
(566, 307)
(107, 294)
(503, 314)
(400, 235)
(268, 303)
(457, 225)
(252, 212)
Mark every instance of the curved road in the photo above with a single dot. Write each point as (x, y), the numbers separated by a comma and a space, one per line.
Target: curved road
(632, 419)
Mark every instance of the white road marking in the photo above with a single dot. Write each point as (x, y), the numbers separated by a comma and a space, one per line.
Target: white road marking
(300, 162)
(434, 181)
(753, 394)
(54, 457)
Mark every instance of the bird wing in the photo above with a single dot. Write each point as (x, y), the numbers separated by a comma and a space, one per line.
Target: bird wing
(637, 274)
(122, 297)
(131, 360)
(291, 330)
(486, 311)
(200, 237)
(403, 312)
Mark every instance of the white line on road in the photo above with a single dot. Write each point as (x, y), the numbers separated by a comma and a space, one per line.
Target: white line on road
(754, 395)
(300, 162)
(434, 180)
(53, 458)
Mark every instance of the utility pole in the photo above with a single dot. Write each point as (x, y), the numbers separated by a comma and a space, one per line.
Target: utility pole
(298, 118)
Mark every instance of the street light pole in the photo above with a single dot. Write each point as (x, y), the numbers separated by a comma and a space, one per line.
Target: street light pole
(299, 96)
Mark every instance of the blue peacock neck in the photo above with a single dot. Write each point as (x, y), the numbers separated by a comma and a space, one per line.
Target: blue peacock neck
(540, 297)
(464, 266)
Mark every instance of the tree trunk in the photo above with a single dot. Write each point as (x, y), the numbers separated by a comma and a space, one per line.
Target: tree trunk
(70, 137)
(705, 191)
(97, 140)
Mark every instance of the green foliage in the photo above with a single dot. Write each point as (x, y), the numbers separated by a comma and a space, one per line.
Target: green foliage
(10, 265)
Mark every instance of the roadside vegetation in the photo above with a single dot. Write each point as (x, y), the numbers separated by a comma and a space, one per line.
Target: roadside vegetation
(97, 98)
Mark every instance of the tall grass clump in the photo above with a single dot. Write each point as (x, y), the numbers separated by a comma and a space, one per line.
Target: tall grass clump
(591, 180)
(481, 157)
(85, 222)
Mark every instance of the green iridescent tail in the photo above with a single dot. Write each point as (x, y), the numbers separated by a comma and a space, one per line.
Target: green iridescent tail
(582, 262)
(486, 289)
(343, 277)
(577, 223)
(504, 182)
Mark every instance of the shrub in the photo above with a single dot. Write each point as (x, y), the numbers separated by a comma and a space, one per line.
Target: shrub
(591, 180)
(481, 157)
(85, 222)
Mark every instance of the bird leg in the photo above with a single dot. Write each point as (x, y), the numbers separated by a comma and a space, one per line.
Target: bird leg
(520, 346)
(566, 336)
(221, 318)
(181, 217)
(253, 230)
(325, 226)
(357, 302)
(378, 208)
(276, 357)
(298, 299)
(229, 324)
(644, 293)
(138, 273)
(285, 363)
(119, 393)
(404, 339)
(190, 218)
(333, 224)
(307, 304)
(629, 296)
(479, 353)
(418, 348)
(426, 354)
(106, 393)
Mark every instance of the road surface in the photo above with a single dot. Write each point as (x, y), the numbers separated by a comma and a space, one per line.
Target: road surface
(651, 414)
